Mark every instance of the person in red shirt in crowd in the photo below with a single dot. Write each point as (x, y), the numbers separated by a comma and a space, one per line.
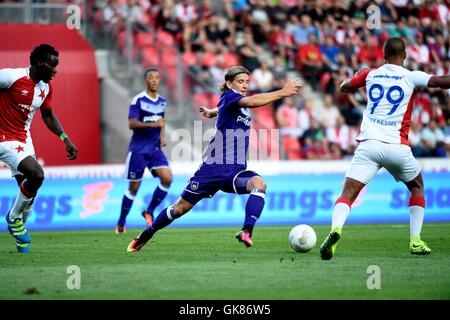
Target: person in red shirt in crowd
(311, 61)
(370, 53)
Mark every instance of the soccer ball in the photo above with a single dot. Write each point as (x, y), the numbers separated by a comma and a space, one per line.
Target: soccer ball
(302, 238)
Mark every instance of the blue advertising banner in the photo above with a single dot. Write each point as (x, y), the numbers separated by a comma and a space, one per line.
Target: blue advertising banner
(87, 203)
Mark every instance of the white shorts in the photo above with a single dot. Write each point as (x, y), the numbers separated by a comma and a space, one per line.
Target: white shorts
(13, 152)
(372, 155)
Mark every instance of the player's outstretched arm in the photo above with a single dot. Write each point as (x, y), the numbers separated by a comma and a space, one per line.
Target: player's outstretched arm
(442, 82)
(207, 112)
(52, 122)
(291, 88)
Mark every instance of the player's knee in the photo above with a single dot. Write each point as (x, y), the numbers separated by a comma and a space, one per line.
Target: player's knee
(166, 181)
(260, 184)
(37, 176)
(133, 187)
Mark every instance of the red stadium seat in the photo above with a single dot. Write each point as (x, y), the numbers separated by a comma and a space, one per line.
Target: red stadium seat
(165, 39)
(229, 60)
(168, 57)
(292, 148)
(149, 56)
(209, 59)
(143, 39)
(188, 59)
(200, 99)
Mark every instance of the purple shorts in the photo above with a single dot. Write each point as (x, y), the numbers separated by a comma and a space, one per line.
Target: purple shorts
(205, 183)
(137, 162)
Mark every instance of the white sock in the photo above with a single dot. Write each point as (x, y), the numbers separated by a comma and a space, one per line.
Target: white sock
(340, 213)
(26, 212)
(416, 214)
(21, 203)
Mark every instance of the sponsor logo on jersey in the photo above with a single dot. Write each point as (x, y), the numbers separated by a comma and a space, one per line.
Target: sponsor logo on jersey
(153, 118)
(385, 76)
(25, 107)
(245, 121)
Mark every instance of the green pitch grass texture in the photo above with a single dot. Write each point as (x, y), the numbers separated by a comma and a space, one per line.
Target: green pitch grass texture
(208, 263)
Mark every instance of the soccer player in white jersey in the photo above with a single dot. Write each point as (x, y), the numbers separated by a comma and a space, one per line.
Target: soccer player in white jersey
(383, 141)
(23, 91)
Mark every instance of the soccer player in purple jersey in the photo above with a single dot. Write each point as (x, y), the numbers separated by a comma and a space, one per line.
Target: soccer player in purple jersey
(224, 166)
(146, 119)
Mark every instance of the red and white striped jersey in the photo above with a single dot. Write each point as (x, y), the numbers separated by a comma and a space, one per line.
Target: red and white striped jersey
(20, 98)
(390, 97)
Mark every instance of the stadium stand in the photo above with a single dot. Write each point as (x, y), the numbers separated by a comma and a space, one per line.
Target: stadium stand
(322, 41)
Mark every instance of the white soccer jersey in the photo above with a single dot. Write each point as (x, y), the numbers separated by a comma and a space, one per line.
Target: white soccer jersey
(390, 96)
(20, 98)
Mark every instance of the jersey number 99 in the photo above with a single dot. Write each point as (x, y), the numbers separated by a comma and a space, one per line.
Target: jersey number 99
(395, 102)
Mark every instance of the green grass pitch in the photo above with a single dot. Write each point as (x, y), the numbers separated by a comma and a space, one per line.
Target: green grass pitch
(208, 263)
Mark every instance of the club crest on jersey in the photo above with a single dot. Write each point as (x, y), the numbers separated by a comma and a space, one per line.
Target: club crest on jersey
(194, 185)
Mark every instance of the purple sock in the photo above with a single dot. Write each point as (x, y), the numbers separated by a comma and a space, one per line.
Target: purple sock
(253, 209)
(158, 196)
(163, 219)
(127, 202)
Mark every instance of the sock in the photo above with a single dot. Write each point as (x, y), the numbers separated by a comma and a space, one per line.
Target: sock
(26, 212)
(254, 208)
(158, 196)
(127, 202)
(341, 210)
(416, 208)
(163, 219)
(23, 200)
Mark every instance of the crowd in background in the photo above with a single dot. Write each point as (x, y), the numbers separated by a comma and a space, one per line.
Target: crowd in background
(324, 41)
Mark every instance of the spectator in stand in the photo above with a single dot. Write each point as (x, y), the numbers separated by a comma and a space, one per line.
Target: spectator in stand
(311, 62)
(370, 53)
(415, 139)
(167, 21)
(318, 149)
(330, 53)
(433, 140)
(262, 78)
(302, 31)
(349, 52)
(342, 136)
(328, 115)
(287, 118)
(250, 52)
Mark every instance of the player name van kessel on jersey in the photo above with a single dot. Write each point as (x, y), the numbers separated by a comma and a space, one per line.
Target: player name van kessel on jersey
(383, 122)
(385, 76)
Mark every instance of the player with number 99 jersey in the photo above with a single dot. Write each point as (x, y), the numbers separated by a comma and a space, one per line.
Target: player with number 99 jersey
(390, 94)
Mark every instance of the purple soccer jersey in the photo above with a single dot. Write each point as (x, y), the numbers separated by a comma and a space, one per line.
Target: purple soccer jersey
(225, 159)
(145, 109)
(144, 150)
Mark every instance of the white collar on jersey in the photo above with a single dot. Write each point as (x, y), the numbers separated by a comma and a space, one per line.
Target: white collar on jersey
(148, 96)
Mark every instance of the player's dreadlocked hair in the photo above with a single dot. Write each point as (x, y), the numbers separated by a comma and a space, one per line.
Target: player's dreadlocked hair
(394, 47)
(41, 52)
(231, 74)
